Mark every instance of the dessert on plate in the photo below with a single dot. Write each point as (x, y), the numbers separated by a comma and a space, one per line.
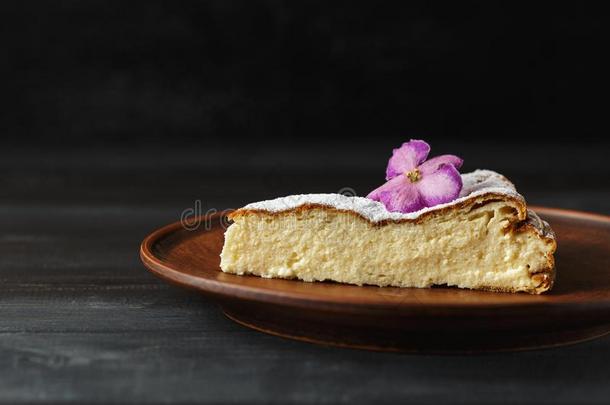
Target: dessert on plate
(427, 225)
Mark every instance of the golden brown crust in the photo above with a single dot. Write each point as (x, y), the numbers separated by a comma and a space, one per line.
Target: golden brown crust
(474, 202)
(546, 274)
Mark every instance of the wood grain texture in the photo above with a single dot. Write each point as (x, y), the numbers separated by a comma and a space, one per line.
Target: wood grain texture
(81, 320)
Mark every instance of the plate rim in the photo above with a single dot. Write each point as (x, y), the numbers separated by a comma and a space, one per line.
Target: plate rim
(233, 291)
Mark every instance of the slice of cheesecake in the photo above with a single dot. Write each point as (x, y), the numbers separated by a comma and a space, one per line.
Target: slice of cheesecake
(485, 239)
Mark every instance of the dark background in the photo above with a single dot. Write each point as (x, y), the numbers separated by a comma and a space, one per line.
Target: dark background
(201, 93)
(117, 116)
(93, 72)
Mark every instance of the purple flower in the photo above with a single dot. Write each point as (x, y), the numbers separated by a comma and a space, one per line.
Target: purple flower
(414, 183)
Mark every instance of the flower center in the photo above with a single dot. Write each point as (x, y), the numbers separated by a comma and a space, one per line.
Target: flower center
(414, 175)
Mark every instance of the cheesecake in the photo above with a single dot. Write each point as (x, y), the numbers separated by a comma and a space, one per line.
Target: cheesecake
(486, 239)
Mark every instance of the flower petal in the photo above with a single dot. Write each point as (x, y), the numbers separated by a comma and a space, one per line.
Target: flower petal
(433, 164)
(405, 199)
(398, 194)
(440, 186)
(406, 158)
(392, 185)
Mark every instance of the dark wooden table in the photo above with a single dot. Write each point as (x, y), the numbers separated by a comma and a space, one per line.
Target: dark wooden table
(82, 320)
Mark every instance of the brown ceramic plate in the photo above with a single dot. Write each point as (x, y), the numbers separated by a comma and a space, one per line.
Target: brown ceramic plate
(403, 319)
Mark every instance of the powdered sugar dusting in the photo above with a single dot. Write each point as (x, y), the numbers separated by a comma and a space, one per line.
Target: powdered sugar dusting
(475, 183)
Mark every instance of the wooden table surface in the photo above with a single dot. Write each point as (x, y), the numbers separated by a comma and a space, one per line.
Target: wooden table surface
(82, 320)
